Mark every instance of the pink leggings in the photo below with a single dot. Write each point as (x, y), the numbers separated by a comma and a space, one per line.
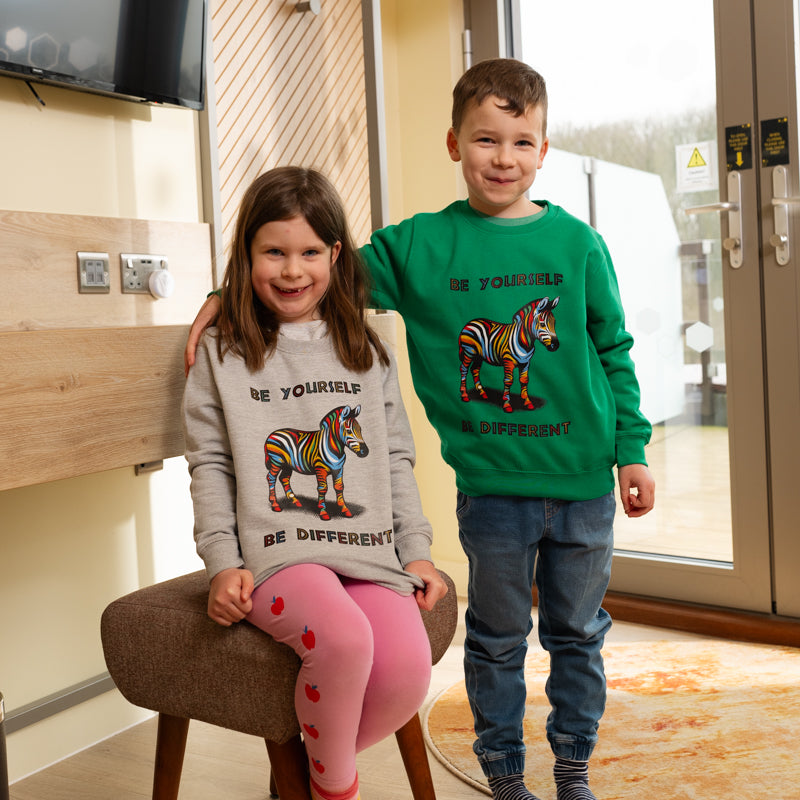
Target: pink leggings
(366, 662)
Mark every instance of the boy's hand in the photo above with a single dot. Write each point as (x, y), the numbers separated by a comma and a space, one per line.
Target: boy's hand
(206, 316)
(229, 596)
(435, 588)
(637, 489)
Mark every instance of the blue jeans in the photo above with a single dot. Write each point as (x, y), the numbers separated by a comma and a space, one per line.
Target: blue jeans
(568, 547)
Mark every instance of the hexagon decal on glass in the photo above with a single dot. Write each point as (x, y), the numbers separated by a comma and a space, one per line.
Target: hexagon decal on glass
(43, 52)
(648, 320)
(699, 336)
(16, 39)
(83, 54)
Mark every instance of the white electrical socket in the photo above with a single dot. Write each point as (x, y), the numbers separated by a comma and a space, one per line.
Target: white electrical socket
(136, 270)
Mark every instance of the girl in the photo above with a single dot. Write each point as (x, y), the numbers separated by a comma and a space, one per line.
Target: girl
(307, 515)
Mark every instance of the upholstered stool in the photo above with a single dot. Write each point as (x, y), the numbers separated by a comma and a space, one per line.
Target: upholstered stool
(164, 653)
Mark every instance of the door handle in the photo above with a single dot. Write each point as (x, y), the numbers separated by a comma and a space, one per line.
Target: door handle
(733, 243)
(780, 214)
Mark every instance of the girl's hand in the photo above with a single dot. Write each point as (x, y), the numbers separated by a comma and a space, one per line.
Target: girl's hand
(637, 489)
(207, 315)
(229, 596)
(435, 588)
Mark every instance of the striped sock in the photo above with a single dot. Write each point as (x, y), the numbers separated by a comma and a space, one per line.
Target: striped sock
(510, 787)
(572, 780)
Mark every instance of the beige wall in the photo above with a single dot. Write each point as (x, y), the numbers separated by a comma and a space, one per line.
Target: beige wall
(87, 154)
(422, 62)
(70, 547)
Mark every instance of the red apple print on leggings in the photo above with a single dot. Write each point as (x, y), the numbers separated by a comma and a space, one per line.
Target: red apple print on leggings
(318, 766)
(311, 730)
(308, 638)
(312, 693)
(277, 605)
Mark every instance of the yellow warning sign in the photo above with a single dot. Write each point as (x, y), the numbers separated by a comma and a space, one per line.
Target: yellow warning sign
(696, 166)
(696, 160)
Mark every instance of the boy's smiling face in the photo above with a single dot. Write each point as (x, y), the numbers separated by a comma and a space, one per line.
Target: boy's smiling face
(500, 155)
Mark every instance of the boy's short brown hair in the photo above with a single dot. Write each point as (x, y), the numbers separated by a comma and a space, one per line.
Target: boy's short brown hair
(520, 86)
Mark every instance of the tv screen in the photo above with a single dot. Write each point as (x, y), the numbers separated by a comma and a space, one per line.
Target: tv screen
(144, 50)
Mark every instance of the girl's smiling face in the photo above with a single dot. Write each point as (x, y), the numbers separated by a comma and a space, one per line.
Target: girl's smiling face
(290, 268)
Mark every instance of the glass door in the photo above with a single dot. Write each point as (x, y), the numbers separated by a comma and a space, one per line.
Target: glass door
(656, 141)
(775, 37)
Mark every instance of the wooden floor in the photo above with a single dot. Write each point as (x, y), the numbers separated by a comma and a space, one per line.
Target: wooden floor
(224, 765)
(692, 514)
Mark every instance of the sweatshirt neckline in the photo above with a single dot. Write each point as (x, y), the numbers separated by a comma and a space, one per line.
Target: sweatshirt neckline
(314, 337)
(516, 226)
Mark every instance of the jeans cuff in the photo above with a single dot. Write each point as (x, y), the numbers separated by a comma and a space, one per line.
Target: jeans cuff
(499, 765)
(572, 749)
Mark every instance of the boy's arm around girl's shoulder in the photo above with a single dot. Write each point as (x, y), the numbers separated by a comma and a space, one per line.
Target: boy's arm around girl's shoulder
(386, 256)
(207, 315)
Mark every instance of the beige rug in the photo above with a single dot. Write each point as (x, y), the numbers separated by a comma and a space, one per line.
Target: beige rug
(685, 720)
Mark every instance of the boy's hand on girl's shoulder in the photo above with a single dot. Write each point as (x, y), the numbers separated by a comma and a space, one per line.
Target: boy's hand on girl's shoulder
(206, 316)
(637, 489)
(435, 587)
(229, 596)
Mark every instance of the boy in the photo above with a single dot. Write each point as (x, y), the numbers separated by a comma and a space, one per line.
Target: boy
(479, 285)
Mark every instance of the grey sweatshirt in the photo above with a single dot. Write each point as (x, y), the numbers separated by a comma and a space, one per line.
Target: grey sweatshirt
(260, 445)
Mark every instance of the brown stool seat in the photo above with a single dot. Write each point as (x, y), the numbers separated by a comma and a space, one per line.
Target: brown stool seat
(164, 653)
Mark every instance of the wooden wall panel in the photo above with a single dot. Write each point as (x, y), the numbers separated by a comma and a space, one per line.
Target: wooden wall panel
(290, 90)
(73, 402)
(38, 258)
(90, 382)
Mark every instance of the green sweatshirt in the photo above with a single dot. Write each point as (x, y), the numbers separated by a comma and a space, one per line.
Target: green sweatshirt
(535, 298)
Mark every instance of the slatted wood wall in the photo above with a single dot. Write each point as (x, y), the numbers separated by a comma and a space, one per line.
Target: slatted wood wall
(290, 90)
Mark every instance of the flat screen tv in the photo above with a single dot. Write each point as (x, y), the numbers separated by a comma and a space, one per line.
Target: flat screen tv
(144, 50)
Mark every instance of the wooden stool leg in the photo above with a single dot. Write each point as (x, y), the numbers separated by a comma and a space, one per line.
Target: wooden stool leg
(289, 764)
(273, 789)
(415, 759)
(170, 747)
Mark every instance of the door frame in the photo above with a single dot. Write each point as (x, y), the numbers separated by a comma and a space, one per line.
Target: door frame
(776, 70)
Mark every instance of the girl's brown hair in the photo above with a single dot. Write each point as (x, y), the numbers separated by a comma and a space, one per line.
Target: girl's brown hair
(246, 327)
